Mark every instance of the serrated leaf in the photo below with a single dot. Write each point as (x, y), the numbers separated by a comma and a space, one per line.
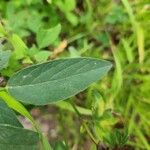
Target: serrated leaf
(7, 116)
(56, 80)
(45, 37)
(14, 138)
(4, 58)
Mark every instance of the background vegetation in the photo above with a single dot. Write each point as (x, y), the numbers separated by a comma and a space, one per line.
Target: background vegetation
(113, 113)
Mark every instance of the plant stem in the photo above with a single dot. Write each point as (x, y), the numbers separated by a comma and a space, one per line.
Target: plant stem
(84, 124)
(89, 133)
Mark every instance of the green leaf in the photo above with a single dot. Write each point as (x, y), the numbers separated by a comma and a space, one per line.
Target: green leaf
(4, 58)
(42, 56)
(116, 16)
(14, 138)
(2, 31)
(12, 134)
(32, 51)
(45, 37)
(18, 107)
(71, 6)
(128, 50)
(7, 116)
(19, 46)
(72, 18)
(46, 145)
(60, 145)
(56, 80)
(34, 21)
(64, 7)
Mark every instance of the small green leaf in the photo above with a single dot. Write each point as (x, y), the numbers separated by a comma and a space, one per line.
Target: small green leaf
(34, 21)
(71, 6)
(64, 7)
(56, 80)
(45, 37)
(14, 138)
(4, 58)
(72, 18)
(42, 56)
(98, 103)
(19, 46)
(32, 51)
(128, 50)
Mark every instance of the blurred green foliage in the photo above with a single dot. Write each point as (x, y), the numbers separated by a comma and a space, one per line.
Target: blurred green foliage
(114, 30)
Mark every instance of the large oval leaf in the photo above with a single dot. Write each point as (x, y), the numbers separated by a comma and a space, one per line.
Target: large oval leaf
(56, 80)
(14, 138)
